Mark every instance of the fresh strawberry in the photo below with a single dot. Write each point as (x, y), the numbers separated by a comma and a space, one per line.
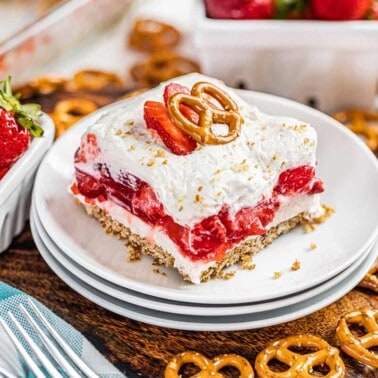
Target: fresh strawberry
(373, 11)
(187, 112)
(174, 88)
(340, 9)
(17, 125)
(157, 118)
(240, 9)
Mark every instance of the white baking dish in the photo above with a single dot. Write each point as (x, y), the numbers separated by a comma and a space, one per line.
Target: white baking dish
(332, 65)
(16, 185)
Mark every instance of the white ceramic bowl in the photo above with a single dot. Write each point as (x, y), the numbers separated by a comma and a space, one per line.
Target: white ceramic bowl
(16, 185)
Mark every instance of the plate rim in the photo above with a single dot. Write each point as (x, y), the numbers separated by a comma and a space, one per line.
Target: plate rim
(202, 326)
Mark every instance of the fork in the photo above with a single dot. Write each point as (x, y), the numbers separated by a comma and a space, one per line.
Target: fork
(69, 362)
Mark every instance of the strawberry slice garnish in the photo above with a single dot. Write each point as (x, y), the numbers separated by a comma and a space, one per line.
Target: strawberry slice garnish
(17, 125)
(187, 112)
(157, 118)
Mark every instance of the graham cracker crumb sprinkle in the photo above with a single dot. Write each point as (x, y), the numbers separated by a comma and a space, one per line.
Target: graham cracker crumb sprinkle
(198, 198)
(306, 141)
(275, 157)
(132, 148)
(160, 153)
(218, 171)
(128, 133)
(251, 144)
(181, 208)
(309, 227)
(200, 188)
(151, 163)
(130, 122)
(225, 276)
(118, 132)
(283, 163)
(296, 265)
(328, 211)
(157, 271)
(246, 262)
(313, 246)
(165, 162)
(277, 275)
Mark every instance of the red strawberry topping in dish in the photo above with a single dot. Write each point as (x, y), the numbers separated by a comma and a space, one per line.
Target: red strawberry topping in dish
(17, 125)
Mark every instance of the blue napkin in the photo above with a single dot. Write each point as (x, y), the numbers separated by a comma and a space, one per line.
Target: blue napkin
(10, 298)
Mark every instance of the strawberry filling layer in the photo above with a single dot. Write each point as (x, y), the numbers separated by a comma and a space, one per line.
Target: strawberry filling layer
(213, 236)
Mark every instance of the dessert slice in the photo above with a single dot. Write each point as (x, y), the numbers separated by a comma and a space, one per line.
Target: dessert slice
(194, 176)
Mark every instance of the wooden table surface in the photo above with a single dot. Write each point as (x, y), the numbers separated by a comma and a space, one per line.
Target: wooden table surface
(139, 349)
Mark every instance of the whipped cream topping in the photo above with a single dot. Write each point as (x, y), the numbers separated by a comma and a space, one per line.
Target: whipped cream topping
(191, 187)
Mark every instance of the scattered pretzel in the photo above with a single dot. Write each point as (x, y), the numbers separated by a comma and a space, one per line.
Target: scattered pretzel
(162, 66)
(93, 80)
(209, 368)
(198, 101)
(301, 365)
(41, 85)
(370, 281)
(150, 35)
(358, 347)
(358, 122)
(68, 112)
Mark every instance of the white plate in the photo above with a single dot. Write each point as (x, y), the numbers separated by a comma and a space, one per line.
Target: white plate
(182, 308)
(350, 173)
(198, 323)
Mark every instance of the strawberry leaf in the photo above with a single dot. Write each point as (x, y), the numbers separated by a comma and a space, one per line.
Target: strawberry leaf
(286, 8)
(26, 115)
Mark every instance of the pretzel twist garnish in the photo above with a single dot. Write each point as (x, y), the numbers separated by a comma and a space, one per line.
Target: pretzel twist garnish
(150, 35)
(300, 365)
(370, 281)
(209, 368)
(162, 66)
(209, 115)
(358, 122)
(358, 347)
(68, 112)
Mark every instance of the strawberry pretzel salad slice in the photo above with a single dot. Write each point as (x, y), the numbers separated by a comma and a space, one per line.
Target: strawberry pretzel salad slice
(194, 176)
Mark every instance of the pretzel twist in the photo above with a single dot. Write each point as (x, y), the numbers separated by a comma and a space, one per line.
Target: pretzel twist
(162, 66)
(209, 368)
(93, 80)
(150, 35)
(208, 115)
(300, 365)
(359, 121)
(370, 281)
(358, 347)
(68, 112)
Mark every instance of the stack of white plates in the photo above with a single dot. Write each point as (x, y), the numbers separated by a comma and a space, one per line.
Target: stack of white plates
(95, 264)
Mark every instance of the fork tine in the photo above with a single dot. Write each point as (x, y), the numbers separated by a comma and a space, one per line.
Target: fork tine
(25, 355)
(53, 350)
(34, 347)
(67, 349)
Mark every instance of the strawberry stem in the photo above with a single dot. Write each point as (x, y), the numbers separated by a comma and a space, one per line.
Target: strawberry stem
(26, 115)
